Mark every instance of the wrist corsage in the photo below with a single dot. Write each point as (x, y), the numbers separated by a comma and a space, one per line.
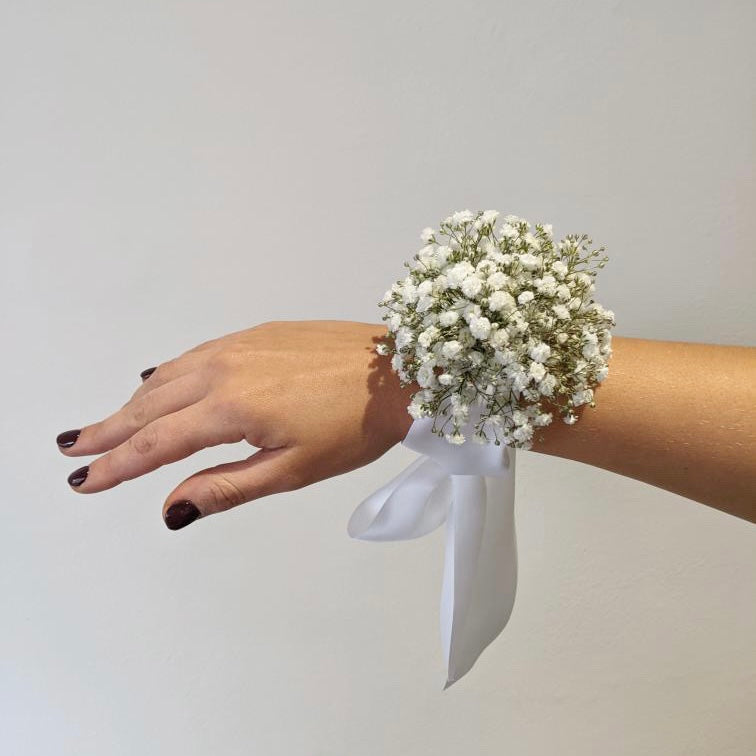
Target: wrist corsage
(500, 316)
(491, 322)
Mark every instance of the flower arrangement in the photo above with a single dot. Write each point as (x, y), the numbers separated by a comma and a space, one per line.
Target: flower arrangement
(500, 316)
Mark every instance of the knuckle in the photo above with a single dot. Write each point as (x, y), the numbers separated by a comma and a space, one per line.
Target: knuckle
(222, 360)
(139, 412)
(108, 470)
(145, 441)
(222, 405)
(162, 372)
(224, 493)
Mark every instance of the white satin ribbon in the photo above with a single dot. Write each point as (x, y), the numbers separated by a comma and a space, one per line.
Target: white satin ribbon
(470, 487)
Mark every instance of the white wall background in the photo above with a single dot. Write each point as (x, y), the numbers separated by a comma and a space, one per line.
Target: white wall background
(171, 171)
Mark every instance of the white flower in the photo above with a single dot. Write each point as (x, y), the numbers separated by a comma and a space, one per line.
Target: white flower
(531, 241)
(542, 419)
(394, 321)
(461, 217)
(404, 337)
(489, 247)
(570, 419)
(443, 253)
(602, 373)
(508, 231)
(480, 327)
(425, 376)
(529, 261)
(409, 293)
(425, 287)
(471, 310)
(590, 349)
(518, 323)
(446, 379)
(485, 267)
(451, 349)
(414, 408)
(497, 280)
(547, 384)
(458, 272)
(580, 365)
(382, 349)
(540, 352)
(582, 397)
(561, 312)
(471, 286)
(523, 432)
(397, 362)
(424, 304)
(519, 377)
(440, 283)
(448, 317)
(537, 371)
(489, 217)
(427, 336)
(563, 292)
(547, 285)
(454, 438)
(500, 338)
(561, 337)
(501, 300)
(525, 297)
(548, 229)
(559, 268)
(503, 356)
(427, 234)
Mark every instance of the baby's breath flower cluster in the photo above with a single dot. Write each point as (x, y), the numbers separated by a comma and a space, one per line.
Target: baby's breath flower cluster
(502, 317)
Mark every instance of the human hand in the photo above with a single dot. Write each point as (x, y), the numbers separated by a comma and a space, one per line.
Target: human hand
(313, 396)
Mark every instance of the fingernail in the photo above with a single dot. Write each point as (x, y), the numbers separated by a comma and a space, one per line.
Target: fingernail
(67, 438)
(147, 373)
(180, 514)
(77, 477)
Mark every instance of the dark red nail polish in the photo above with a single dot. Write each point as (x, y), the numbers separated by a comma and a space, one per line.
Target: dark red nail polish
(147, 373)
(67, 438)
(180, 514)
(77, 477)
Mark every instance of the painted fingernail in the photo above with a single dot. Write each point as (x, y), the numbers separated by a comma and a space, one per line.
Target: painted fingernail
(181, 514)
(77, 477)
(147, 373)
(67, 438)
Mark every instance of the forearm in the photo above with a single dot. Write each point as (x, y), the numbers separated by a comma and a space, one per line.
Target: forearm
(676, 415)
(673, 414)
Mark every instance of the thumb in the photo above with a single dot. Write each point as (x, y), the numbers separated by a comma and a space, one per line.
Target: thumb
(222, 487)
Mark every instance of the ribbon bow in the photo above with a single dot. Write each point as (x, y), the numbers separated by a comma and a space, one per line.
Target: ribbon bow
(470, 487)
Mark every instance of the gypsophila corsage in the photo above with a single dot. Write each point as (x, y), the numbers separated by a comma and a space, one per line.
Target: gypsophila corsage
(502, 316)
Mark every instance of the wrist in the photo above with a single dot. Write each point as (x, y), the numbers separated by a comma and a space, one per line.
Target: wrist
(395, 398)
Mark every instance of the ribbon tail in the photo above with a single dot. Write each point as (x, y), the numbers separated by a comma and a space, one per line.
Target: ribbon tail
(480, 568)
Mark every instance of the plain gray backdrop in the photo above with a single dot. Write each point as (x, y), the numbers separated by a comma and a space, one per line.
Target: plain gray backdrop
(171, 171)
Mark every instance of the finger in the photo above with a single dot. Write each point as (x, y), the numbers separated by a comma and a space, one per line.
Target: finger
(167, 439)
(222, 487)
(168, 371)
(136, 414)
